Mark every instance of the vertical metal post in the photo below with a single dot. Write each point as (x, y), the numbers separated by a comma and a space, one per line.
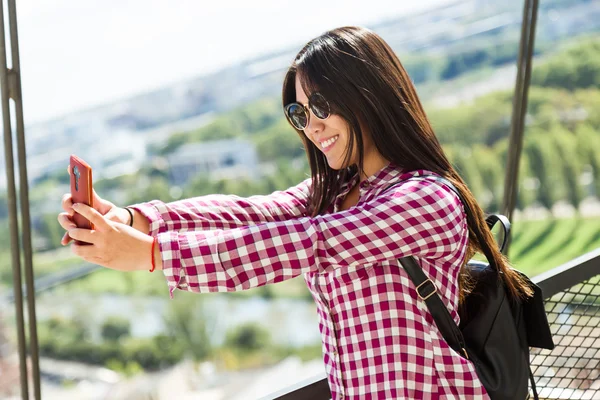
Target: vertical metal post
(511, 182)
(16, 95)
(12, 207)
(10, 87)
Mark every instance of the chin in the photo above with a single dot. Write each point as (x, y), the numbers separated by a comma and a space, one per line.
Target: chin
(337, 165)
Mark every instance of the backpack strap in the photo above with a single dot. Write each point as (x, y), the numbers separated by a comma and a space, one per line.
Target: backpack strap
(427, 291)
(491, 220)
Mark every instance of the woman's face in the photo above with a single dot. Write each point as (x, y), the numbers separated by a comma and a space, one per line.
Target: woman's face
(331, 135)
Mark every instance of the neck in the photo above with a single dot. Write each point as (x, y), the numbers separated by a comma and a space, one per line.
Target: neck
(371, 166)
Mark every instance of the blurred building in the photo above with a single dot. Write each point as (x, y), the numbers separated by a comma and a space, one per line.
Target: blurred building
(222, 159)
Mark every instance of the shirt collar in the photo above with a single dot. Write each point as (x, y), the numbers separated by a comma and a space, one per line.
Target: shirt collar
(389, 173)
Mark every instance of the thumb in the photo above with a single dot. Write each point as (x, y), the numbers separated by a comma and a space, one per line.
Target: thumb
(92, 215)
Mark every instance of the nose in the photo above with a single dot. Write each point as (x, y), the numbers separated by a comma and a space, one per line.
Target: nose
(315, 125)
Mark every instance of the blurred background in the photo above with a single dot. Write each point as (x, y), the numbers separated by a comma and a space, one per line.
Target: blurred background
(168, 100)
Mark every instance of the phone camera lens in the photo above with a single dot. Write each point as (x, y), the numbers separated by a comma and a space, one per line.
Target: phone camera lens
(76, 174)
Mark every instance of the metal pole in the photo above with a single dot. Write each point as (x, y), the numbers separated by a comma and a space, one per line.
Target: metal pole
(524, 61)
(12, 206)
(16, 95)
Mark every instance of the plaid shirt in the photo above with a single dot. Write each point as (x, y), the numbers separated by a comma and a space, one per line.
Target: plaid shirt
(379, 339)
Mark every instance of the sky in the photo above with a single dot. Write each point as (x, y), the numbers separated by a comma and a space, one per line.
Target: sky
(76, 54)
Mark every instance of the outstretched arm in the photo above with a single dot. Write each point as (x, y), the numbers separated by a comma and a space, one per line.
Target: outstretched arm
(420, 218)
(221, 211)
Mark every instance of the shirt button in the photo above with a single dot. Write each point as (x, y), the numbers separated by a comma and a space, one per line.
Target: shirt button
(335, 353)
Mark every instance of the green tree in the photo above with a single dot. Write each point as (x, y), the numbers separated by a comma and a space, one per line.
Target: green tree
(248, 337)
(526, 190)
(576, 67)
(277, 142)
(566, 148)
(114, 328)
(464, 163)
(51, 230)
(190, 323)
(259, 115)
(491, 169)
(588, 150)
(158, 188)
(542, 155)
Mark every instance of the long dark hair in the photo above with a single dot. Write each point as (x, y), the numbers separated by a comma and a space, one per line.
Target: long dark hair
(363, 79)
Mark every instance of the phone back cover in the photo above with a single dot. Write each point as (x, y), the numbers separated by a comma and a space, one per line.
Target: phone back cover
(81, 188)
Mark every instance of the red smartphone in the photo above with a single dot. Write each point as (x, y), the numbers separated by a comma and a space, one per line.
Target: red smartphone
(81, 188)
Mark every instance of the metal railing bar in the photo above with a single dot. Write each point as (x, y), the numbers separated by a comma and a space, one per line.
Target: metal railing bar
(569, 274)
(56, 279)
(12, 207)
(315, 388)
(520, 98)
(16, 94)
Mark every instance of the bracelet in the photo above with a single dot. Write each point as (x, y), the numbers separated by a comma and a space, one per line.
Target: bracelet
(131, 215)
(152, 255)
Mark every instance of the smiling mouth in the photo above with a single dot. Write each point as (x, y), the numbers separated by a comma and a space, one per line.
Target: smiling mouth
(328, 144)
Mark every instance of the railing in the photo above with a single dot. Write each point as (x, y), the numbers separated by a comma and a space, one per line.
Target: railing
(572, 369)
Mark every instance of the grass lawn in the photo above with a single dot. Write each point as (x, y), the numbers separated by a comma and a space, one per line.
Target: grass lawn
(542, 245)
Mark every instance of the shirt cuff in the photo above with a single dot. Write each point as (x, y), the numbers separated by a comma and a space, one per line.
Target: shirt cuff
(172, 265)
(190, 261)
(152, 211)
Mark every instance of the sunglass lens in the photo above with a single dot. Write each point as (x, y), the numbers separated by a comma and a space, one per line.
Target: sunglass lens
(319, 106)
(297, 116)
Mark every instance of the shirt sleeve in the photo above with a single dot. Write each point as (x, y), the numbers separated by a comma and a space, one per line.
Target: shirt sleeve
(219, 211)
(419, 218)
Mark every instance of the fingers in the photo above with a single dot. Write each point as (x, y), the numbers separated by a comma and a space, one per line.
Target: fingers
(67, 204)
(85, 251)
(91, 215)
(66, 239)
(65, 220)
(83, 235)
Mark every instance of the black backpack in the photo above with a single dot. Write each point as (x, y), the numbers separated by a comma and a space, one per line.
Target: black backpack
(495, 330)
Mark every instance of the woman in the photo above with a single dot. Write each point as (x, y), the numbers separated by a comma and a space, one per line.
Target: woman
(365, 134)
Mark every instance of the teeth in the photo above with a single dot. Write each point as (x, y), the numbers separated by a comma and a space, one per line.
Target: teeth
(329, 142)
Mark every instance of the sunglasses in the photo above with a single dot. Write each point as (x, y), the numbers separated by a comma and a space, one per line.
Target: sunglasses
(299, 115)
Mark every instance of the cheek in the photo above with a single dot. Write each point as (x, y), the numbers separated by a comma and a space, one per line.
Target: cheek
(339, 125)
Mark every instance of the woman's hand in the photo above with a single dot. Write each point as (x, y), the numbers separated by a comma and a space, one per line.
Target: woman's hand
(111, 244)
(104, 207)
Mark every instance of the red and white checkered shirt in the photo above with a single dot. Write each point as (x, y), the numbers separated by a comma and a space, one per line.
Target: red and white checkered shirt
(379, 339)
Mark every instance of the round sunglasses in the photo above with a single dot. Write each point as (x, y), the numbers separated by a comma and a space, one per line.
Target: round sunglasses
(299, 115)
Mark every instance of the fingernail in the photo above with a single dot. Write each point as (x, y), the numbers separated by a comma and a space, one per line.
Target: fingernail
(75, 205)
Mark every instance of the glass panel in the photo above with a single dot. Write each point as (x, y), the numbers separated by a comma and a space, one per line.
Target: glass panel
(108, 96)
(558, 202)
